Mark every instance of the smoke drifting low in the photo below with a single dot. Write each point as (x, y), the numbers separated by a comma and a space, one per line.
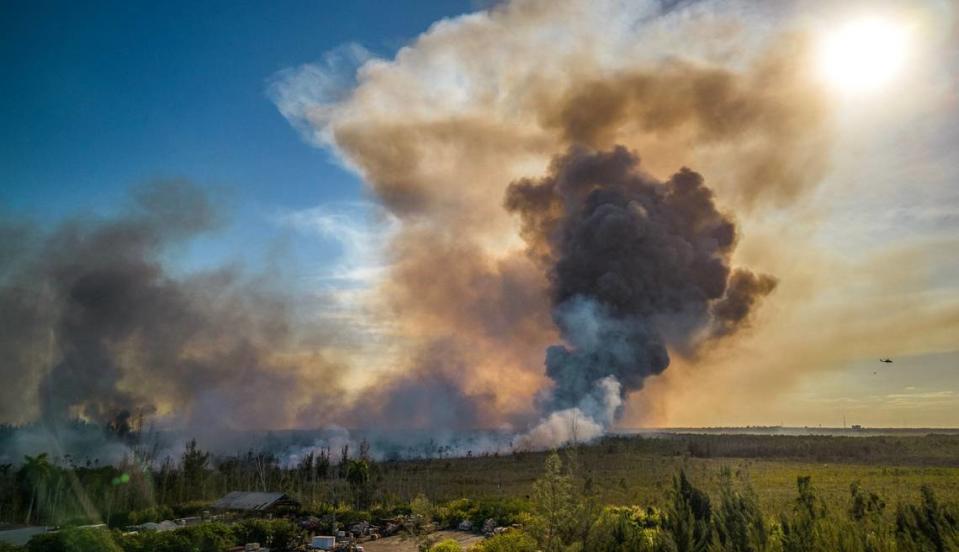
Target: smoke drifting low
(635, 266)
(96, 327)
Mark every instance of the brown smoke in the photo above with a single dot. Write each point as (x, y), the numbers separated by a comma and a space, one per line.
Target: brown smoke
(479, 102)
(439, 133)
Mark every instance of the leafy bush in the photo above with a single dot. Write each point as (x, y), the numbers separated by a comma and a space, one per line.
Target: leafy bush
(191, 508)
(205, 537)
(455, 511)
(626, 529)
(277, 534)
(510, 541)
(349, 516)
(618, 530)
(380, 512)
(505, 511)
(448, 545)
(7, 547)
(136, 517)
(422, 514)
(75, 540)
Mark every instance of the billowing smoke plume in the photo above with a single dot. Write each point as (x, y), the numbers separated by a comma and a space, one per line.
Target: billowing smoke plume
(441, 130)
(96, 327)
(618, 264)
(635, 266)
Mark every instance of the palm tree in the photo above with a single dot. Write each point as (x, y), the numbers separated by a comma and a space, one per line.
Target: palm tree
(34, 475)
(358, 476)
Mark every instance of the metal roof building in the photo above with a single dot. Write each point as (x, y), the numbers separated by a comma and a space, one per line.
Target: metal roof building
(254, 502)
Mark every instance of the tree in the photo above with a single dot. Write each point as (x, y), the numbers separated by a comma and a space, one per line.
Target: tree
(323, 464)
(928, 526)
(799, 533)
(689, 516)
(739, 524)
(358, 476)
(194, 463)
(34, 477)
(553, 507)
(344, 459)
(586, 504)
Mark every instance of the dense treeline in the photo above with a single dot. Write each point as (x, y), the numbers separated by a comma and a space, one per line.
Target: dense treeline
(912, 450)
(46, 491)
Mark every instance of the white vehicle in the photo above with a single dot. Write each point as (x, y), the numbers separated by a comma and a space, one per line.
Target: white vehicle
(323, 543)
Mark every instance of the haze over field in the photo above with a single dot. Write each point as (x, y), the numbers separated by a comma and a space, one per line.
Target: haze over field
(552, 219)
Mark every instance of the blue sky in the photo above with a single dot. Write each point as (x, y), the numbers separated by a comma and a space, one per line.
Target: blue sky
(102, 96)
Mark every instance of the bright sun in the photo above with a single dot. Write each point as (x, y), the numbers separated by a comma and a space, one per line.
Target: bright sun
(863, 55)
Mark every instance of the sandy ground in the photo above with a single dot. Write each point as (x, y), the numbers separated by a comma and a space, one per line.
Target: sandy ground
(402, 543)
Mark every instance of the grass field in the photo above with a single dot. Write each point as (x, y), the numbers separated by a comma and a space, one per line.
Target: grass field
(639, 470)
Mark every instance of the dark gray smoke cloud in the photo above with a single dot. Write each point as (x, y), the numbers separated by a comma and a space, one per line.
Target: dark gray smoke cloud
(95, 326)
(635, 266)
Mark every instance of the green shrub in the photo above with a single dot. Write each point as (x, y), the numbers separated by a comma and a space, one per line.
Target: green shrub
(422, 514)
(7, 547)
(205, 537)
(380, 512)
(136, 517)
(349, 516)
(505, 511)
(191, 508)
(75, 540)
(510, 541)
(617, 530)
(455, 511)
(448, 545)
(277, 534)
(166, 541)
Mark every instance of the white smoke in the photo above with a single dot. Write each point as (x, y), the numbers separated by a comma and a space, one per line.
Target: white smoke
(581, 424)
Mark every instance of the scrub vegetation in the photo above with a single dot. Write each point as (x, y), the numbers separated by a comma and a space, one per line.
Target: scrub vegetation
(673, 492)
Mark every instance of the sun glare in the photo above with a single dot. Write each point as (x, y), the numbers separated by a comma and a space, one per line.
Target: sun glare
(863, 55)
